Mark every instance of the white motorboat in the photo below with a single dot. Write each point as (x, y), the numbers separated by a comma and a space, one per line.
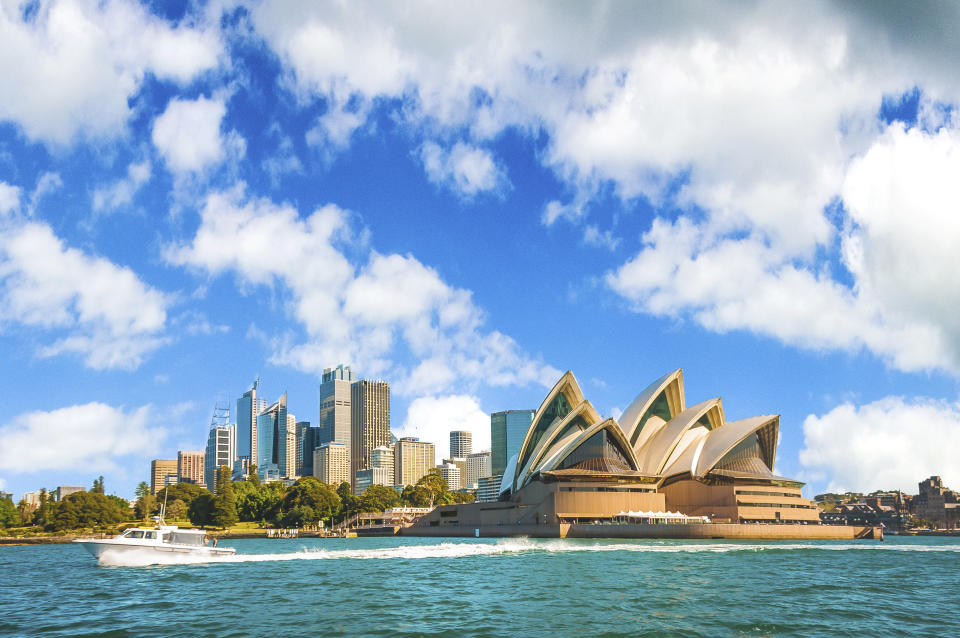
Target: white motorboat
(164, 539)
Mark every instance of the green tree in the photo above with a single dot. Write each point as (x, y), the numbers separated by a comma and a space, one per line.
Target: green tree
(313, 498)
(177, 510)
(224, 510)
(97, 485)
(252, 475)
(88, 509)
(417, 496)
(377, 498)
(142, 489)
(145, 506)
(46, 508)
(9, 515)
(186, 492)
(200, 509)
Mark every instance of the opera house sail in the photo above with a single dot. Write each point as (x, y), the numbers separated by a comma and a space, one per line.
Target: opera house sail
(578, 472)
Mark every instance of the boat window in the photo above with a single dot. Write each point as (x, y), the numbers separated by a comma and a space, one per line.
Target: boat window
(150, 535)
(135, 534)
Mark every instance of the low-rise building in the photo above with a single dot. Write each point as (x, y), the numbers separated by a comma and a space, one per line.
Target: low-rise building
(65, 490)
(488, 488)
(371, 476)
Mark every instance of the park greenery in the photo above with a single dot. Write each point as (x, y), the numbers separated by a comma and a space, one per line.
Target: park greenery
(305, 503)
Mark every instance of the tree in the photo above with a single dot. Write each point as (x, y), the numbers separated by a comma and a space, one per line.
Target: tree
(252, 475)
(177, 510)
(224, 510)
(97, 485)
(9, 516)
(88, 509)
(417, 496)
(313, 498)
(186, 492)
(43, 515)
(377, 498)
(142, 489)
(145, 506)
(200, 508)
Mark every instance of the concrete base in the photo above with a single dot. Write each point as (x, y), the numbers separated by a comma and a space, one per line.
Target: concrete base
(705, 531)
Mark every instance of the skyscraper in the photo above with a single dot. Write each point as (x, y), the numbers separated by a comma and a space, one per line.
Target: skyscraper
(290, 448)
(382, 457)
(160, 470)
(369, 421)
(331, 463)
(461, 443)
(221, 450)
(190, 467)
(507, 430)
(248, 407)
(412, 459)
(272, 439)
(334, 423)
(478, 466)
(305, 447)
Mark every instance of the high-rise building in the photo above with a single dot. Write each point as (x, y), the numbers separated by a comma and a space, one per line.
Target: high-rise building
(370, 476)
(66, 490)
(478, 466)
(382, 457)
(248, 407)
(331, 463)
(488, 488)
(221, 450)
(412, 459)
(272, 439)
(290, 447)
(460, 462)
(451, 474)
(369, 421)
(304, 434)
(334, 423)
(461, 444)
(160, 469)
(190, 467)
(507, 430)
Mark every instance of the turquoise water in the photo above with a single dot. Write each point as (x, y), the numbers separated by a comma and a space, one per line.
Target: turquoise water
(502, 587)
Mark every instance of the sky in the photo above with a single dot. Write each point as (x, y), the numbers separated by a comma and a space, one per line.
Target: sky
(467, 200)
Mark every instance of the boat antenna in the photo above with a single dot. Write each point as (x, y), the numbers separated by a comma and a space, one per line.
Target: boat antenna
(163, 507)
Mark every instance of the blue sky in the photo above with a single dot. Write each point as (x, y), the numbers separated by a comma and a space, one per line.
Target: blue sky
(468, 200)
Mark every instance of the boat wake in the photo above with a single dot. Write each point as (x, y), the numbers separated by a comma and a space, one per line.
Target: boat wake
(501, 547)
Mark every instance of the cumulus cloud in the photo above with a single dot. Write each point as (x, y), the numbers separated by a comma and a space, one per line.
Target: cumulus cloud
(432, 418)
(187, 134)
(110, 317)
(9, 198)
(120, 193)
(71, 66)
(364, 315)
(892, 443)
(464, 169)
(77, 438)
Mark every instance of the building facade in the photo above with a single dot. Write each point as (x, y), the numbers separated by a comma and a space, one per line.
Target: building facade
(248, 407)
(413, 459)
(331, 463)
(161, 473)
(937, 504)
(304, 448)
(221, 450)
(371, 476)
(65, 490)
(488, 488)
(383, 457)
(507, 430)
(451, 474)
(272, 439)
(461, 444)
(334, 423)
(477, 467)
(369, 421)
(190, 465)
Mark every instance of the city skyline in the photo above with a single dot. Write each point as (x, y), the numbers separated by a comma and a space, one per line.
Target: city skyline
(467, 201)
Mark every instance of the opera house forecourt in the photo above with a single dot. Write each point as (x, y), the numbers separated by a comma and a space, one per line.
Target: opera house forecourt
(664, 470)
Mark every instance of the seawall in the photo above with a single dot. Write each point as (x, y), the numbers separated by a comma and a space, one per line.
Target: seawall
(690, 531)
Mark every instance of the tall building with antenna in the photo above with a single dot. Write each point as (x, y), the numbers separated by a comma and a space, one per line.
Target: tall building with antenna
(221, 443)
(335, 402)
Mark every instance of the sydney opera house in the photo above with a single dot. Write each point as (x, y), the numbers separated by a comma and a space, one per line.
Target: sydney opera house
(579, 471)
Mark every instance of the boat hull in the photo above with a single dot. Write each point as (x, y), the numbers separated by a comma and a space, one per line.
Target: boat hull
(101, 547)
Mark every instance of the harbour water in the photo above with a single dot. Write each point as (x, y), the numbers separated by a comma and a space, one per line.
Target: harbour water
(493, 587)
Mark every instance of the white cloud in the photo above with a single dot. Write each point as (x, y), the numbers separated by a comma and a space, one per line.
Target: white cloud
(464, 169)
(393, 304)
(3, 483)
(9, 198)
(74, 65)
(187, 134)
(111, 317)
(432, 418)
(120, 193)
(887, 444)
(77, 438)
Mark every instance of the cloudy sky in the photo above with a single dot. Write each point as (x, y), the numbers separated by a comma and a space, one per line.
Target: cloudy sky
(469, 199)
